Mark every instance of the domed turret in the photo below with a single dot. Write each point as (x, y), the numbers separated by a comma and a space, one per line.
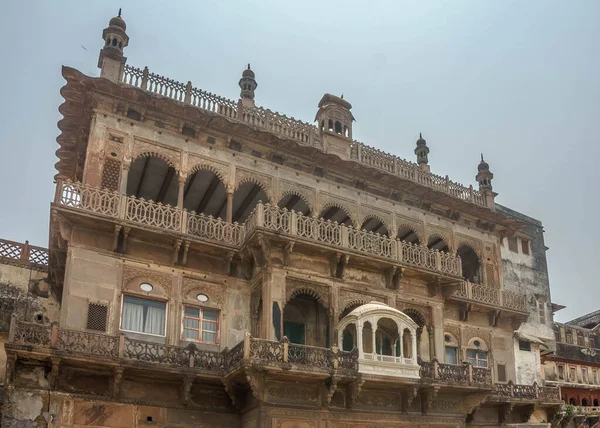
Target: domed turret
(484, 176)
(111, 60)
(422, 151)
(247, 85)
(334, 115)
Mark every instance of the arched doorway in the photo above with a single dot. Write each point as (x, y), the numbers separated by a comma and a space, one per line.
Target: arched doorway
(375, 225)
(152, 178)
(471, 266)
(245, 198)
(387, 338)
(204, 192)
(305, 321)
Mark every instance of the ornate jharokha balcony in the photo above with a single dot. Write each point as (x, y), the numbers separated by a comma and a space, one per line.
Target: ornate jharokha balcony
(23, 254)
(514, 393)
(292, 129)
(265, 217)
(491, 296)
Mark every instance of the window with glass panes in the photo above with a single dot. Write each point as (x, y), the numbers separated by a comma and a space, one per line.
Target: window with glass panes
(477, 358)
(200, 324)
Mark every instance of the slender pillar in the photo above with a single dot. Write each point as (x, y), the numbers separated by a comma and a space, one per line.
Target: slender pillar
(124, 176)
(374, 349)
(182, 180)
(359, 341)
(229, 217)
(438, 333)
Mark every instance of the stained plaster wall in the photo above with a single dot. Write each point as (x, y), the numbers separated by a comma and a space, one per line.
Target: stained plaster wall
(26, 293)
(528, 274)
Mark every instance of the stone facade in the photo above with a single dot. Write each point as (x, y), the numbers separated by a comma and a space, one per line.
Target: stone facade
(206, 252)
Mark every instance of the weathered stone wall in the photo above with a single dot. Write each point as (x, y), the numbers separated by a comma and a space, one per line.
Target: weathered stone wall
(24, 292)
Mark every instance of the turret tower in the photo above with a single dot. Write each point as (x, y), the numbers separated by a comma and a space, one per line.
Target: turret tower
(111, 60)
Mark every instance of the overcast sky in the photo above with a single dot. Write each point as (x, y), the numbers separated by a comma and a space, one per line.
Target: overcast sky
(518, 81)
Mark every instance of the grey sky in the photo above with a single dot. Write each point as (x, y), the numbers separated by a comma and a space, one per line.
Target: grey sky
(517, 81)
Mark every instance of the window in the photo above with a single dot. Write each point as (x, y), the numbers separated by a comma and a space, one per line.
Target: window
(569, 335)
(580, 339)
(143, 315)
(572, 374)
(451, 355)
(501, 370)
(584, 374)
(477, 358)
(97, 315)
(525, 246)
(524, 346)
(592, 342)
(542, 311)
(561, 372)
(557, 335)
(200, 324)
(512, 244)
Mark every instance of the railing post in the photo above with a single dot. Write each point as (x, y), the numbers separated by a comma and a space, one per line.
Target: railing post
(511, 388)
(188, 93)
(12, 331)
(267, 119)
(286, 347)
(436, 369)
(121, 345)
(344, 232)
(25, 253)
(58, 192)
(122, 206)
(260, 214)
(54, 335)
(470, 374)
(293, 223)
(469, 290)
(358, 152)
(536, 389)
(336, 357)
(399, 252)
(144, 79)
(438, 261)
(247, 338)
(184, 220)
(471, 192)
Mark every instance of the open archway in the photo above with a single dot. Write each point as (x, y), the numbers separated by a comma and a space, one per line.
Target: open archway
(471, 266)
(294, 202)
(408, 234)
(336, 214)
(245, 198)
(204, 192)
(436, 242)
(375, 225)
(152, 178)
(305, 321)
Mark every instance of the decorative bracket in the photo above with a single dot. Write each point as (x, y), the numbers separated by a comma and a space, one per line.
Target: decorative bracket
(331, 384)
(176, 248)
(408, 397)
(256, 380)
(504, 412)
(186, 389)
(126, 231)
(465, 311)
(53, 375)
(117, 380)
(231, 391)
(334, 260)
(428, 396)
(355, 388)
(390, 277)
(230, 255)
(288, 249)
(116, 233)
(526, 412)
(495, 317)
(186, 247)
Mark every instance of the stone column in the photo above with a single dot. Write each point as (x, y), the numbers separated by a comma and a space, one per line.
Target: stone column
(182, 179)
(359, 341)
(438, 333)
(229, 216)
(374, 331)
(124, 176)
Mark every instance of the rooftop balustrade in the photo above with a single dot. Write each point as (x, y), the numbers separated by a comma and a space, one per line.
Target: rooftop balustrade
(289, 128)
(491, 296)
(23, 254)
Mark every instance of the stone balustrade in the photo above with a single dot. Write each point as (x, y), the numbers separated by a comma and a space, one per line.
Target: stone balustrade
(23, 254)
(491, 296)
(464, 374)
(515, 392)
(289, 128)
(587, 410)
(265, 217)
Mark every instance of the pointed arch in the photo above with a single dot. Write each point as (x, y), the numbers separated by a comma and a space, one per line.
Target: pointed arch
(436, 241)
(330, 210)
(408, 233)
(296, 201)
(380, 226)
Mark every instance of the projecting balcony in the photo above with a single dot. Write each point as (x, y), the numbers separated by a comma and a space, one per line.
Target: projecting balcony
(491, 297)
(270, 219)
(514, 393)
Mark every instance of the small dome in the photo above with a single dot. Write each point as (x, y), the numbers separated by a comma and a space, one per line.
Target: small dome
(248, 72)
(117, 21)
(421, 141)
(483, 165)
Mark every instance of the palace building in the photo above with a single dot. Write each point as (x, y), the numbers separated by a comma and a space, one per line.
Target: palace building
(213, 263)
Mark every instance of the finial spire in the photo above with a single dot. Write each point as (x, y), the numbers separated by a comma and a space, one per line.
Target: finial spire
(420, 135)
(482, 157)
(342, 95)
(119, 15)
(248, 66)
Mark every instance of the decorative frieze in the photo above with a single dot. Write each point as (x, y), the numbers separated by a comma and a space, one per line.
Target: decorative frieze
(146, 275)
(193, 287)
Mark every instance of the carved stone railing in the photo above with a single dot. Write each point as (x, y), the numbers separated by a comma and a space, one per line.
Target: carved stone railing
(290, 128)
(24, 333)
(513, 392)
(23, 254)
(309, 355)
(482, 375)
(348, 360)
(266, 351)
(491, 296)
(453, 372)
(81, 342)
(318, 230)
(411, 171)
(464, 374)
(588, 410)
(215, 229)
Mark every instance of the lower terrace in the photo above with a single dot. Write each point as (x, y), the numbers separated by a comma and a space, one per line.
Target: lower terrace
(190, 226)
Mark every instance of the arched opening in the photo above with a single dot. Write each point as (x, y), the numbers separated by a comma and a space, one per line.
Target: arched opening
(204, 192)
(346, 131)
(338, 127)
(373, 224)
(387, 338)
(330, 125)
(337, 214)
(423, 345)
(294, 202)
(134, 114)
(152, 178)
(572, 401)
(596, 404)
(471, 266)
(350, 308)
(305, 321)
(584, 402)
(245, 199)
(407, 234)
(367, 338)
(436, 242)
(407, 351)
(349, 340)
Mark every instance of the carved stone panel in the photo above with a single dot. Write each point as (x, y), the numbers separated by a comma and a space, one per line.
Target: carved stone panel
(193, 287)
(350, 298)
(146, 275)
(144, 148)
